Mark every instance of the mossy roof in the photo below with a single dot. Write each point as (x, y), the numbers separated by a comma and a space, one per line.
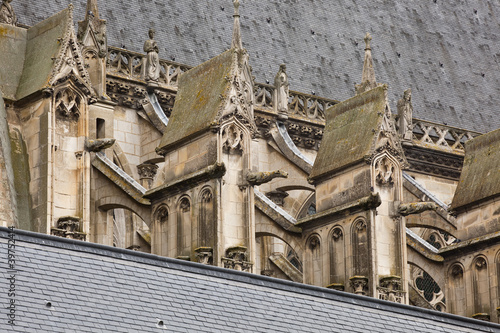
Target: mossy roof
(480, 178)
(27, 55)
(202, 92)
(12, 51)
(43, 44)
(350, 131)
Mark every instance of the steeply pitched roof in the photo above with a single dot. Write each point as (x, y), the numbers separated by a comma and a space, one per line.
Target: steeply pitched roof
(202, 92)
(351, 128)
(448, 52)
(95, 288)
(480, 178)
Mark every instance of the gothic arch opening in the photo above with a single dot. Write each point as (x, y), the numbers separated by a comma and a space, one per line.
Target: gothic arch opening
(457, 300)
(337, 257)
(313, 261)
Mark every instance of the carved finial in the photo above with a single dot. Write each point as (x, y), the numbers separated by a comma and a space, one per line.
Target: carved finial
(236, 42)
(7, 14)
(368, 39)
(368, 78)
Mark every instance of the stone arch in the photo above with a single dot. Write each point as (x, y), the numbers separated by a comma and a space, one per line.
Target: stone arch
(337, 255)
(313, 263)
(360, 247)
(107, 197)
(481, 286)
(264, 226)
(457, 294)
(184, 225)
(434, 269)
(160, 231)
(304, 210)
(206, 226)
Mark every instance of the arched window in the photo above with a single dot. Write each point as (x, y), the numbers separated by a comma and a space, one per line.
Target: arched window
(314, 265)
(361, 254)
(184, 227)
(456, 286)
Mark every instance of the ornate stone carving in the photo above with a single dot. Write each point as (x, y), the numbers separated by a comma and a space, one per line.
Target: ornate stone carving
(68, 227)
(281, 91)
(7, 14)
(457, 271)
(267, 272)
(384, 171)
(337, 234)
(185, 205)
(389, 289)
(147, 170)
(405, 116)
(416, 208)
(336, 286)
(98, 145)
(152, 61)
(67, 103)
(314, 242)
(259, 178)
(361, 225)
(204, 255)
(232, 139)
(480, 263)
(236, 258)
(277, 196)
(162, 214)
(368, 81)
(359, 284)
(481, 316)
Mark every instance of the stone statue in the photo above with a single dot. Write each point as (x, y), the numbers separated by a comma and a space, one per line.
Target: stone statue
(405, 114)
(281, 90)
(7, 14)
(152, 60)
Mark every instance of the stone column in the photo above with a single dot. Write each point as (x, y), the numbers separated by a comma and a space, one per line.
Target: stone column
(147, 172)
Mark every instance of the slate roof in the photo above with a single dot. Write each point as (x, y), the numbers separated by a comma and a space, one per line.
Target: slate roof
(448, 52)
(95, 288)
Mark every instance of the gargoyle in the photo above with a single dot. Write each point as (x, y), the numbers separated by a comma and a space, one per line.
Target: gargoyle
(258, 178)
(416, 208)
(98, 144)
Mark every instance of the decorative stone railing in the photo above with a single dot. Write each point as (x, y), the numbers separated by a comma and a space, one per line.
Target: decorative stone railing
(441, 137)
(300, 105)
(131, 65)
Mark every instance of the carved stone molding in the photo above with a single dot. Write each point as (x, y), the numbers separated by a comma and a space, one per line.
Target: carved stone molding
(480, 263)
(204, 255)
(457, 271)
(236, 258)
(185, 206)
(336, 286)
(68, 103)
(147, 170)
(433, 162)
(232, 139)
(314, 242)
(278, 197)
(359, 284)
(99, 144)
(481, 316)
(384, 171)
(389, 289)
(337, 234)
(68, 227)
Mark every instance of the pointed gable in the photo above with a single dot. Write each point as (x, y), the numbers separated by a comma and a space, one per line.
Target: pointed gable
(480, 178)
(51, 48)
(352, 128)
(202, 92)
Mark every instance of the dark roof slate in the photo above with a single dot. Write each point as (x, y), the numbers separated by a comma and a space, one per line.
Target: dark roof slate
(95, 288)
(448, 52)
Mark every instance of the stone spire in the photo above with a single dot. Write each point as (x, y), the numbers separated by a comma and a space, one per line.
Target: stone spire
(236, 42)
(368, 78)
(92, 10)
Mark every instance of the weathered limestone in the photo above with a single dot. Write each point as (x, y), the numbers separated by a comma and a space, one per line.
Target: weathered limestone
(7, 14)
